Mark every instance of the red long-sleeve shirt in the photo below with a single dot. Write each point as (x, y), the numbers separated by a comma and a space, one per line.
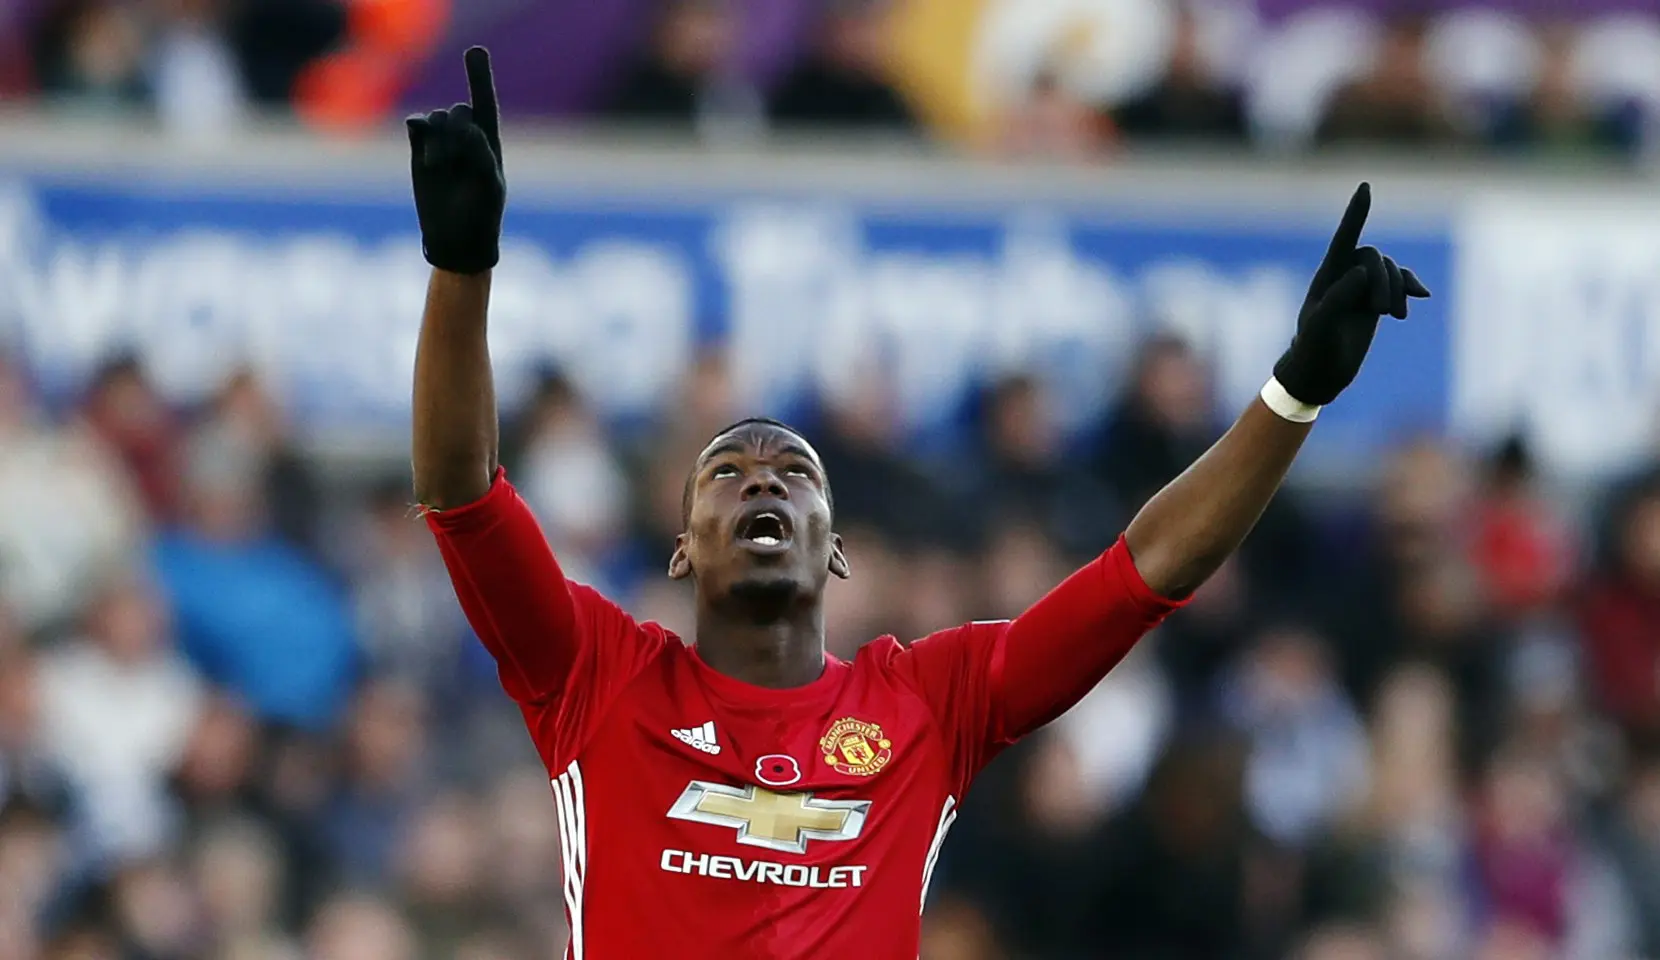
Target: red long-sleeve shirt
(711, 818)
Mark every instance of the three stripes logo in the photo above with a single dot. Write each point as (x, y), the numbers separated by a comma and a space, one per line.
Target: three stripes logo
(698, 738)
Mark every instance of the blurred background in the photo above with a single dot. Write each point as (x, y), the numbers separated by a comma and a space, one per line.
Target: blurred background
(1012, 264)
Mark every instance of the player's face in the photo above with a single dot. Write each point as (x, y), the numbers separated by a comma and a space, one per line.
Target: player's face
(760, 519)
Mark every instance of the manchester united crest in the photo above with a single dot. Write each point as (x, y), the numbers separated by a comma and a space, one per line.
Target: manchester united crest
(855, 747)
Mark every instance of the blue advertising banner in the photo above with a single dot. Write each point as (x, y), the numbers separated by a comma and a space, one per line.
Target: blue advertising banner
(323, 295)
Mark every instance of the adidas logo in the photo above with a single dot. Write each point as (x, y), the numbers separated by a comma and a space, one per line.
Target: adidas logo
(699, 738)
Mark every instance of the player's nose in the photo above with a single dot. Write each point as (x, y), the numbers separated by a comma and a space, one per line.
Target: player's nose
(764, 482)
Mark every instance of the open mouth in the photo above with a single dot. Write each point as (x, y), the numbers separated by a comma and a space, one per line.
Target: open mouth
(767, 529)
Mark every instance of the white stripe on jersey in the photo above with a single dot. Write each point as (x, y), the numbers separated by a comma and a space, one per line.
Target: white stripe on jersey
(573, 847)
(948, 815)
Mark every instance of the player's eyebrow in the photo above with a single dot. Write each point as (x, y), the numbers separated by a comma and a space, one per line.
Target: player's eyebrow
(738, 445)
(797, 450)
(729, 445)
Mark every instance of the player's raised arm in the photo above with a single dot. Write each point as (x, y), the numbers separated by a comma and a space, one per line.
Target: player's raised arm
(1190, 527)
(556, 643)
(995, 683)
(460, 193)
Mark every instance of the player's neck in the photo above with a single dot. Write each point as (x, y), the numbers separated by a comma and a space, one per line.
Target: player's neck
(777, 655)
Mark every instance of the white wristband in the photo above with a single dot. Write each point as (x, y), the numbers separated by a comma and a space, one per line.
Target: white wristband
(1279, 400)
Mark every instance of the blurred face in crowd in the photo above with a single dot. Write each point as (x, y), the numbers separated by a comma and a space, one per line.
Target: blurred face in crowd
(856, 38)
(128, 621)
(443, 862)
(1342, 943)
(1412, 748)
(250, 412)
(1398, 72)
(524, 846)
(14, 398)
(1425, 491)
(127, 405)
(19, 701)
(1057, 800)
(33, 862)
(854, 610)
(1514, 941)
(1642, 802)
(84, 944)
(696, 36)
(359, 929)
(1021, 567)
(157, 908)
(225, 474)
(107, 45)
(387, 731)
(1171, 386)
(1196, 796)
(219, 756)
(955, 930)
(239, 874)
(1287, 670)
(1022, 430)
(1641, 541)
(1525, 800)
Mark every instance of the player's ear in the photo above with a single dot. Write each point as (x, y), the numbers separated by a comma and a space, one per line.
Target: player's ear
(838, 558)
(680, 565)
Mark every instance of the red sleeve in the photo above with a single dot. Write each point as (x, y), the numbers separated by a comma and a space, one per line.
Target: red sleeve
(989, 684)
(557, 644)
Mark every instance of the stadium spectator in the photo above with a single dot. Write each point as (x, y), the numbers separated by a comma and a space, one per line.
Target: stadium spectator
(689, 76)
(573, 481)
(1025, 477)
(31, 778)
(1555, 117)
(70, 511)
(1620, 611)
(1519, 545)
(844, 82)
(1189, 102)
(195, 74)
(90, 56)
(276, 39)
(1162, 422)
(860, 437)
(237, 871)
(245, 410)
(409, 624)
(255, 614)
(1634, 842)
(357, 927)
(125, 411)
(1394, 102)
(1184, 871)
(117, 709)
(384, 778)
(1050, 123)
(1307, 759)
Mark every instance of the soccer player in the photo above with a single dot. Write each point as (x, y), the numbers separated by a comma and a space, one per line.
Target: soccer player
(748, 795)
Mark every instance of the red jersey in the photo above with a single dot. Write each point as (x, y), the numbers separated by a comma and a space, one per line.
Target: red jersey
(705, 817)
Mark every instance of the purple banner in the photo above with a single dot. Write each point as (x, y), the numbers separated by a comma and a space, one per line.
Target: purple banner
(559, 57)
(1537, 9)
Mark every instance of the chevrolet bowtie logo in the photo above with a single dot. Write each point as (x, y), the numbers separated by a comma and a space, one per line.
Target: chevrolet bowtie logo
(777, 821)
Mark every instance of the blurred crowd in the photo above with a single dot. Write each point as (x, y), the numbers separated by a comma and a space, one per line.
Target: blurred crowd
(1452, 75)
(241, 716)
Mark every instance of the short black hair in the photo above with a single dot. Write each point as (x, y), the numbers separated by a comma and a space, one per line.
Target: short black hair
(691, 475)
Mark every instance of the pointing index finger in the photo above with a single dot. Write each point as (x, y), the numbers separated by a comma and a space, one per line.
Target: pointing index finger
(481, 90)
(1347, 237)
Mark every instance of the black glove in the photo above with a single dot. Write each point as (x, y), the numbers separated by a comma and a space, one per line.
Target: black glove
(1351, 291)
(460, 190)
